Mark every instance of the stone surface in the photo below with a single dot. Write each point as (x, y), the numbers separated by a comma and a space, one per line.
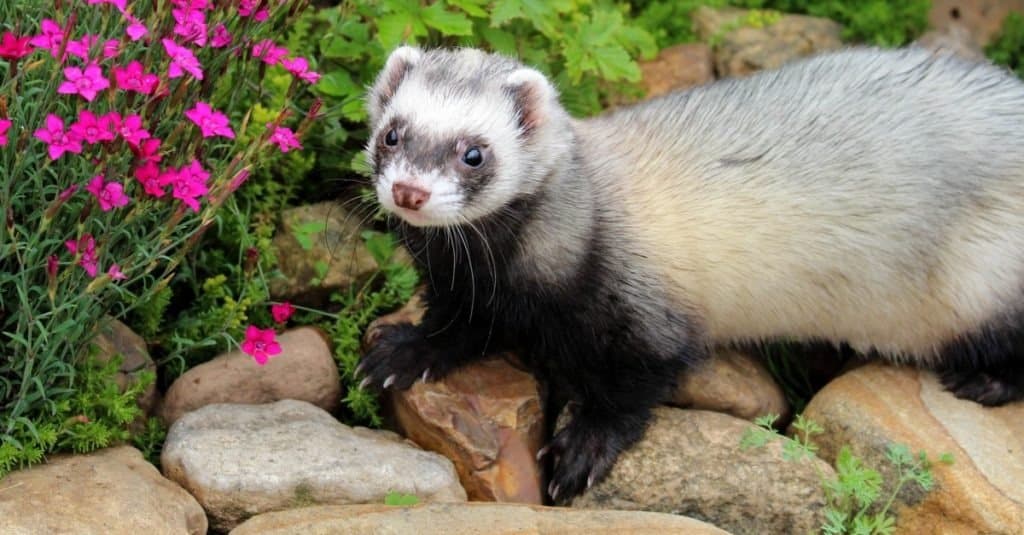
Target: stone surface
(241, 460)
(954, 39)
(678, 67)
(108, 492)
(116, 339)
(304, 370)
(469, 519)
(982, 19)
(981, 492)
(335, 259)
(746, 42)
(486, 417)
(735, 383)
(691, 463)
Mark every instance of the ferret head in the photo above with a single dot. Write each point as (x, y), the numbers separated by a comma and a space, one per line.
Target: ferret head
(459, 134)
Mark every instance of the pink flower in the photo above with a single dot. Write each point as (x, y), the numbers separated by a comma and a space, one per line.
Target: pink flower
(188, 183)
(282, 312)
(92, 129)
(130, 128)
(60, 141)
(300, 68)
(81, 47)
(148, 150)
(87, 83)
(192, 4)
(148, 174)
(182, 61)
(210, 121)
(5, 125)
(284, 138)
(110, 195)
(86, 248)
(133, 78)
(238, 180)
(68, 192)
(119, 4)
(269, 52)
(115, 273)
(248, 8)
(136, 29)
(221, 37)
(52, 265)
(51, 38)
(260, 344)
(13, 48)
(191, 25)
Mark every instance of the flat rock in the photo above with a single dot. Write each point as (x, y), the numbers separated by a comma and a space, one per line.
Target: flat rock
(304, 370)
(732, 382)
(486, 417)
(678, 67)
(469, 519)
(118, 339)
(746, 41)
(691, 463)
(981, 492)
(981, 19)
(111, 491)
(954, 39)
(241, 460)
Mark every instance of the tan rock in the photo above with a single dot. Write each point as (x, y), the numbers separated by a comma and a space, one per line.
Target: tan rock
(732, 382)
(118, 339)
(746, 41)
(304, 370)
(469, 519)
(982, 19)
(954, 39)
(486, 417)
(108, 492)
(691, 463)
(981, 492)
(678, 67)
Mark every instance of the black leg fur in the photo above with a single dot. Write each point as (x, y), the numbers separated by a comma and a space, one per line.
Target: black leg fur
(987, 366)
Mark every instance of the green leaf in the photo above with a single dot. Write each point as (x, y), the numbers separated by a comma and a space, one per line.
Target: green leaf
(337, 83)
(397, 498)
(474, 8)
(381, 245)
(447, 22)
(500, 40)
(395, 29)
(304, 233)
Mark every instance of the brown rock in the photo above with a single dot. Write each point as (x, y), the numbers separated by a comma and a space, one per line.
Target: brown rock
(486, 417)
(320, 250)
(304, 370)
(109, 492)
(954, 39)
(982, 19)
(677, 67)
(746, 41)
(735, 383)
(691, 463)
(467, 519)
(118, 339)
(981, 492)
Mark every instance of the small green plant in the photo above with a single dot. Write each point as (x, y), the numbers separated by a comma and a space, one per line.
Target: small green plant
(398, 498)
(150, 439)
(1007, 48)
(854, 497)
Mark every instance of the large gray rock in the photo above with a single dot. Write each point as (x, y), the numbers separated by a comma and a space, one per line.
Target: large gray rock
(468, 519)
(691, 463)
(241, 460)
(304, 370)
(109, 492)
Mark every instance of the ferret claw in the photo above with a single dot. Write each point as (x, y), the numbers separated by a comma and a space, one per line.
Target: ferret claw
(359, 369)
(363, 383)
(590, 480)
(553, 490)
(389, 381)
(426, 375)
(543, 451)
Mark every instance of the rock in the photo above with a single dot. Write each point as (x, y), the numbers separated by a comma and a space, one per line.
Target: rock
(320, 251)
(304, 370)
(109, 492)
(678, 67)
(735, 383)
(691, 463)
(118, 339)
(746, 41)
(486, 417)
(954, 39)
(981, 492)
(468, 519)
(981, 19)
(241, 460)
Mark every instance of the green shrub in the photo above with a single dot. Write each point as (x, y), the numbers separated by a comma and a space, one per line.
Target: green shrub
(1007, 48)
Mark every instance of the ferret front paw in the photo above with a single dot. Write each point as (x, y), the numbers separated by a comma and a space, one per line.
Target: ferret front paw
(397, 356)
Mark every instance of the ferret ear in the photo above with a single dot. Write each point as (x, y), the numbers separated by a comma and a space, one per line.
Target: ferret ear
(532, 97)
(399, 63)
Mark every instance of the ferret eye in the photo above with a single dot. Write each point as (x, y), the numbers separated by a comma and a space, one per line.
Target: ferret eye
(473, 157)
(391, 138)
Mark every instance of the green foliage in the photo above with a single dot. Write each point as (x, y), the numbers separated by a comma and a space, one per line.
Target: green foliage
(397, 498)
(855, 495)
(1007, 48)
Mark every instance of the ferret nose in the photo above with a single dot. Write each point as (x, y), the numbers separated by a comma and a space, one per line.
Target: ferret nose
(409, 196)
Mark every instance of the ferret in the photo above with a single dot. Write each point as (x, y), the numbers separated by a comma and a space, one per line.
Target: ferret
(866, 197)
